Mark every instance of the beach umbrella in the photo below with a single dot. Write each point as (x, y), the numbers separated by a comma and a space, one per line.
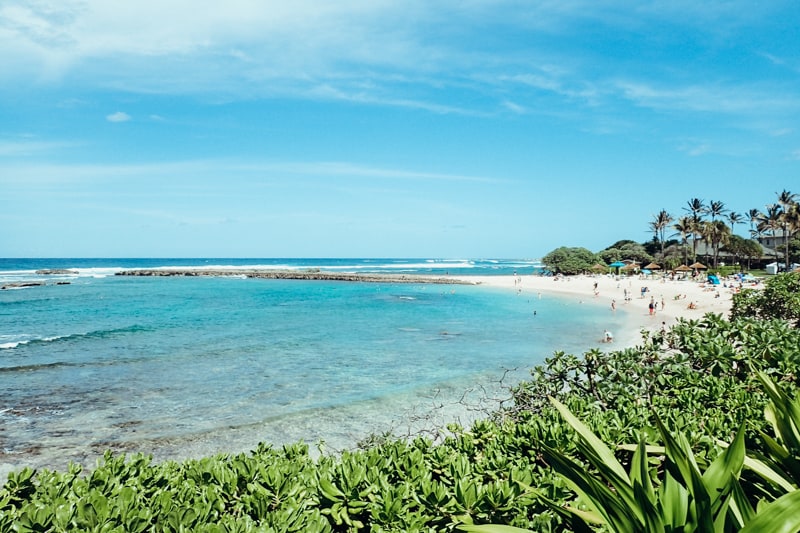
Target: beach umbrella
(617, 265)
(599, 267)
(698, 266)
(682, 268)
(632, 266)
(653, 266)
(646, 271)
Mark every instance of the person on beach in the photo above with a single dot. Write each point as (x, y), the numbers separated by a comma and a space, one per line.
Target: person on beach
(613, 305)
(607, 336)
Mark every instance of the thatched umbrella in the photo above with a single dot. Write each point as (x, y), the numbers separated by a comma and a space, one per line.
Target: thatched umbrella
(599, 267)
(698, 266)
(682, 268)
(633, 266)
(653, 266)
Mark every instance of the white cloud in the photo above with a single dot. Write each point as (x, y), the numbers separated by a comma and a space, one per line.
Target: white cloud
(514, 108)
(119, 116)
(25, 148)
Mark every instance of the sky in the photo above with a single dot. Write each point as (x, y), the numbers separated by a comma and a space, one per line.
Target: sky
(385, 128)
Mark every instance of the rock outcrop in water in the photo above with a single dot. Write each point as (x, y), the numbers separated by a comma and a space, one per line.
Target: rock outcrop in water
(295, 274)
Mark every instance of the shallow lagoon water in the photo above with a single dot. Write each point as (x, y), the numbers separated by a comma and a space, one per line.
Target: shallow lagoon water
(183, 367)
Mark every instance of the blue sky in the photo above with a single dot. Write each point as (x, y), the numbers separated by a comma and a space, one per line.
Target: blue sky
(383, 128)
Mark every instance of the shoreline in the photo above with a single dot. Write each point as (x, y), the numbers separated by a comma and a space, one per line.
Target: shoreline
(676, 296)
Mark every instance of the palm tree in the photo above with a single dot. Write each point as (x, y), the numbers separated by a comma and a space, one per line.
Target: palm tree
(791, 220)
(715, 209)
(754, 216)
(683, 228)
(696, 207)
(771, 221)
(787, 202)
(659, 225)
(717, 233)
(733, 219)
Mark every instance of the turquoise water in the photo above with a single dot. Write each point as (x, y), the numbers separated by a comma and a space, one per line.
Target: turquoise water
(181, 367)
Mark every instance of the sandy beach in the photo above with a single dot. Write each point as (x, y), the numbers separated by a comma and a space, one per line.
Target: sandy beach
(672, 299)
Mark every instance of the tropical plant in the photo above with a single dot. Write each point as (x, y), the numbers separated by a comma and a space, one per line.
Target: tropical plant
(789, 219)
(770, 221)
(753, 216)
(684, 229)
(779, 299)
(681, 492)
(716, 233)
(715, 209)
(695, 207)
(659, 225)
(734, 218)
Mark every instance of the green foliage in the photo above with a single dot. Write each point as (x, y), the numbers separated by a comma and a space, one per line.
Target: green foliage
(569, 260)
(779, 299)
(626, 249)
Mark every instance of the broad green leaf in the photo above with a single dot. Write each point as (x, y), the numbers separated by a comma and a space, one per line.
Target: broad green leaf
(492, 528)
(780, 516)
(767, 473)
(606, 502)
(598, 448)
(723, 473)
(674, 500)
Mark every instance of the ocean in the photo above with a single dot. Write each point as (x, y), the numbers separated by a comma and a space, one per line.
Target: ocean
(180, 367)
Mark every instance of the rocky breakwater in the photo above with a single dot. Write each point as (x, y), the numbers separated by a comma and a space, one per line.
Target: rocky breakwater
(315, 275)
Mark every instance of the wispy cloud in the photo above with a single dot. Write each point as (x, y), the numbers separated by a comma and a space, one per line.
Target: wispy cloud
(29, 147)
(197, 172)
(119, 116)
(715, 98)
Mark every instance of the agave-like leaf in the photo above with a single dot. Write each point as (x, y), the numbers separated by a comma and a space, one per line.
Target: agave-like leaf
(640, 472)
(768, 474)
(603, 500)
(740, 508)
(493, 528)
(723, 473)
(683, 467)
(599, 452)
(594, 449)
(674, 500)
(783, 413)
(643, 489)
(780, 516)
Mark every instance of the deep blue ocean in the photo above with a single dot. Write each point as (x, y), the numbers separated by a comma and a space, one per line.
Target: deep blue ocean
(180, 367)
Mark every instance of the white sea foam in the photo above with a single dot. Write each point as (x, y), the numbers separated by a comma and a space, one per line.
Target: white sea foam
(96, 272)
(11, 345)
(9, 342)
